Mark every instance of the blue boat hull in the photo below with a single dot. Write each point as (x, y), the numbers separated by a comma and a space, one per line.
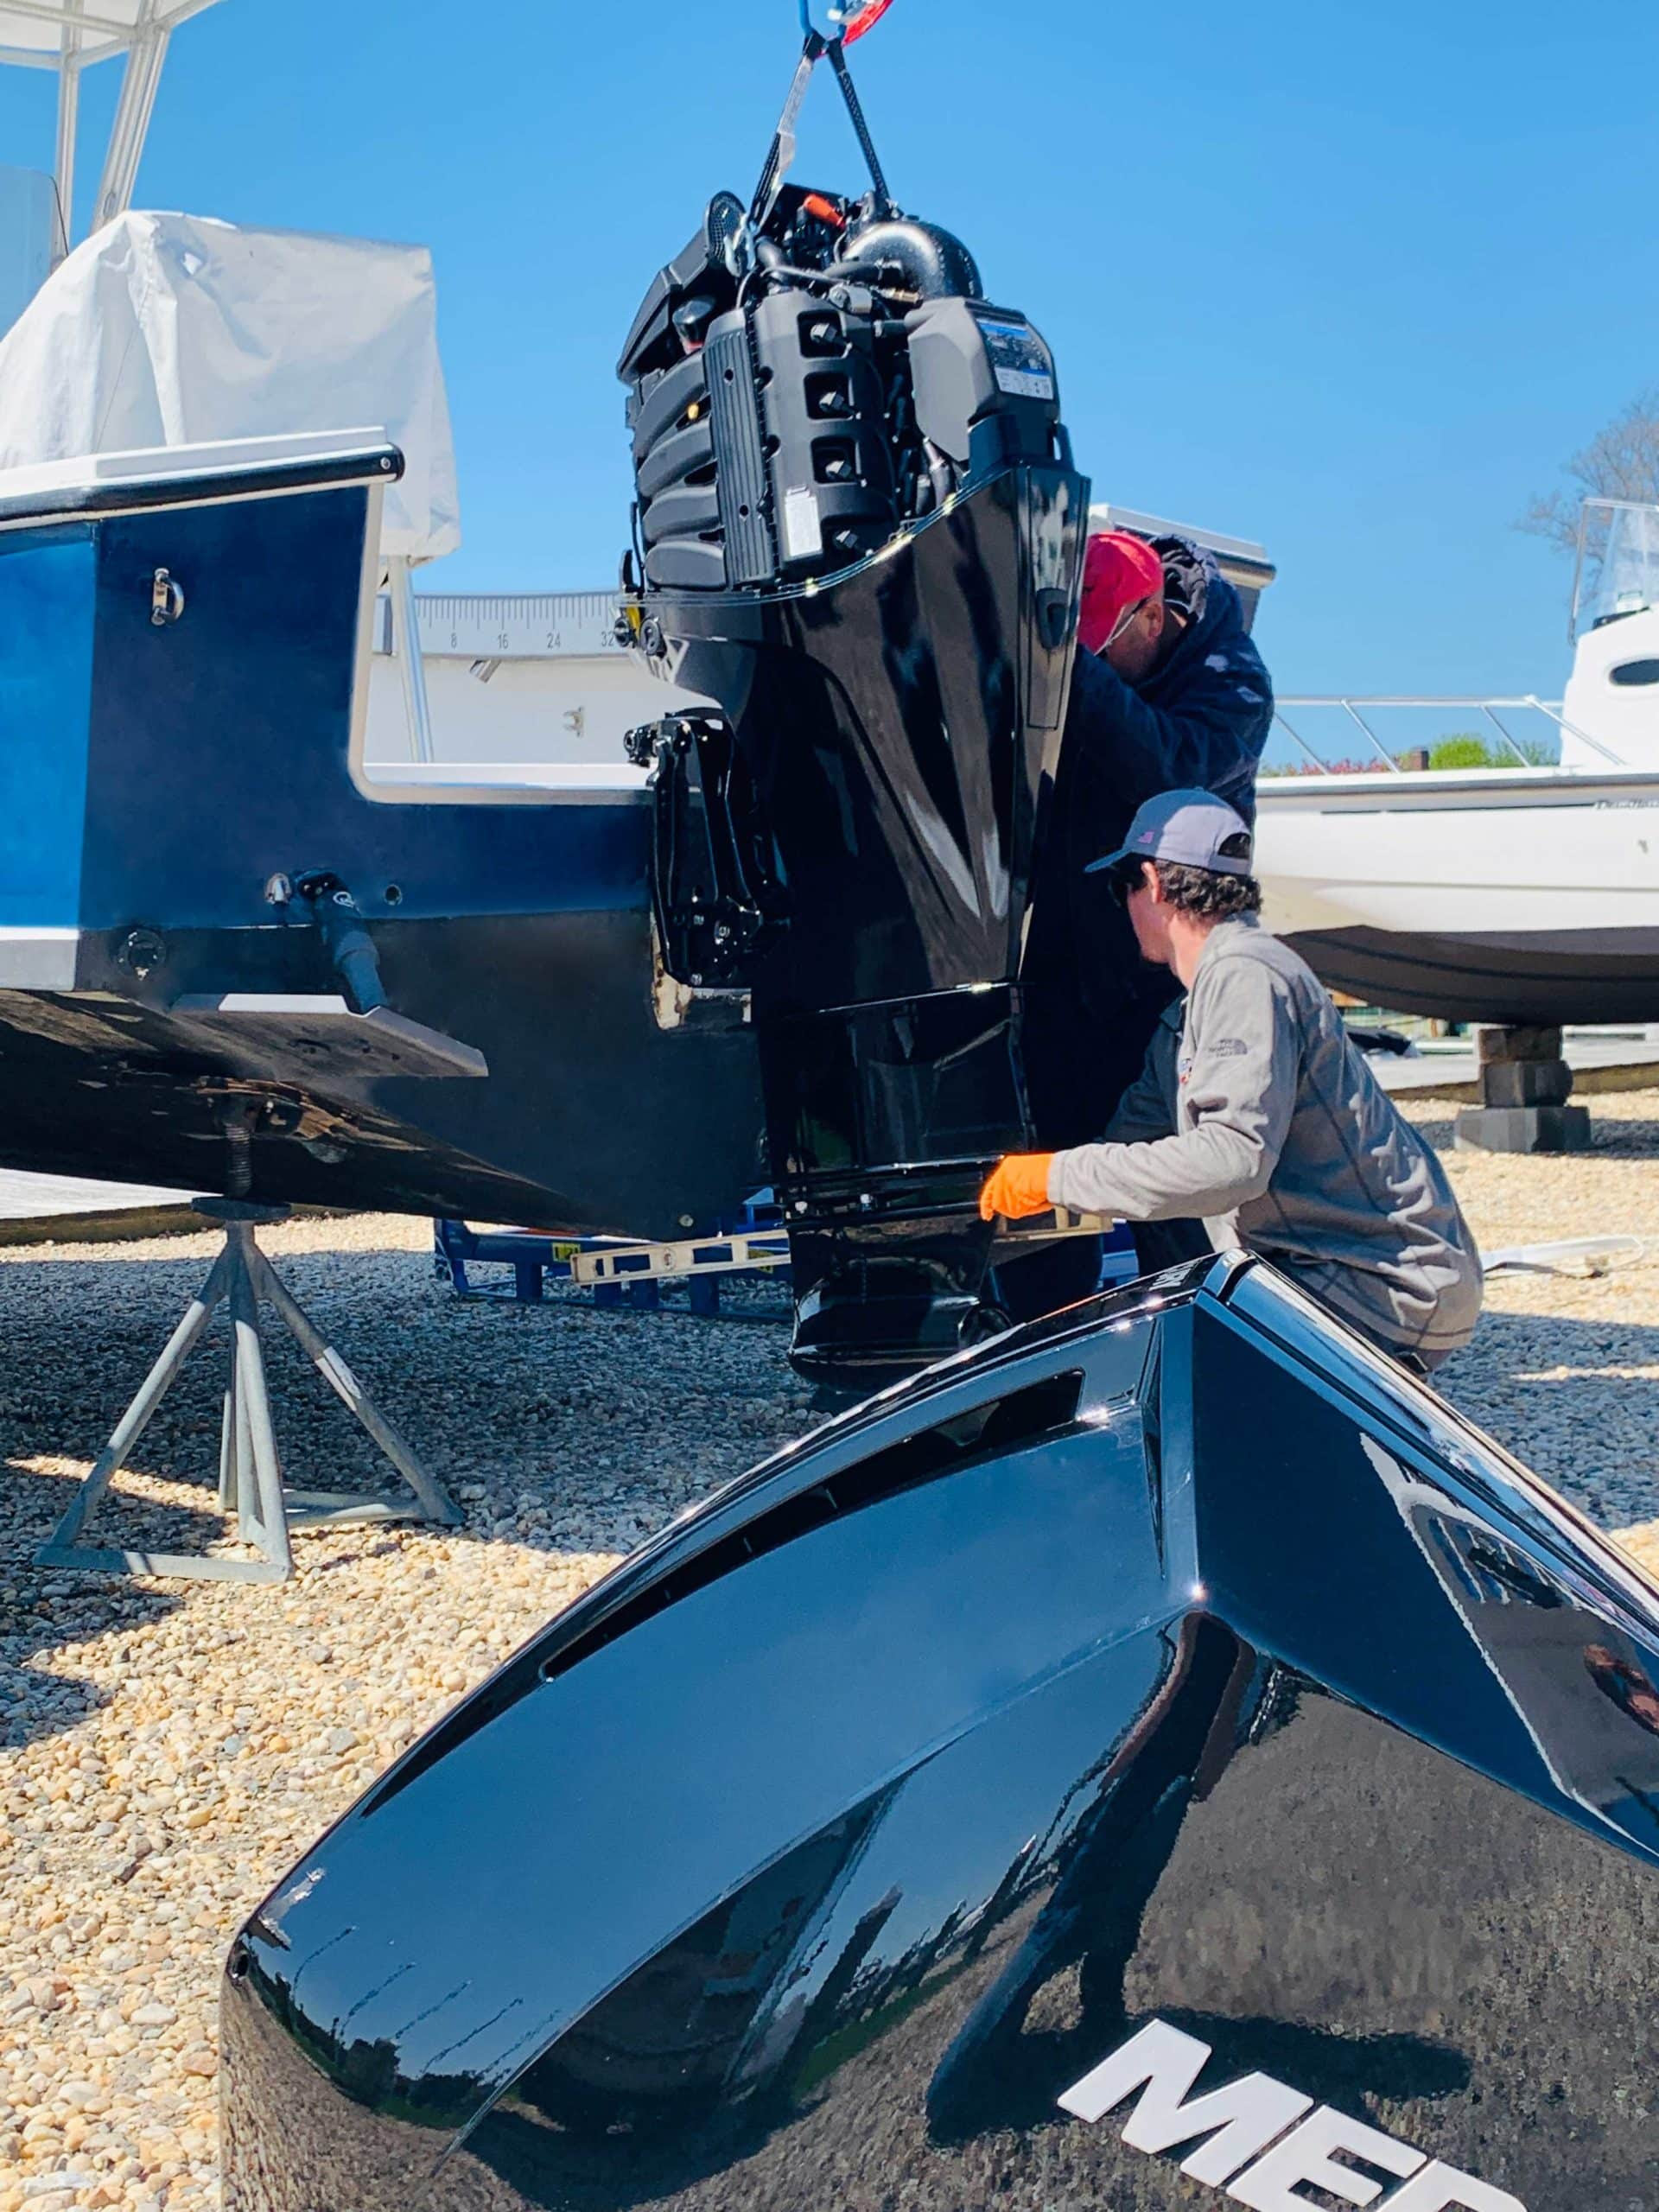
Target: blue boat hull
(155, 776)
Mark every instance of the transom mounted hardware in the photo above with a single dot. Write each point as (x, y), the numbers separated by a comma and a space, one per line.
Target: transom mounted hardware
(166, 598)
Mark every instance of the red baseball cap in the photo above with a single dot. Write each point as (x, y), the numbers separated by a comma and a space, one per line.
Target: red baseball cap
(1119, 571)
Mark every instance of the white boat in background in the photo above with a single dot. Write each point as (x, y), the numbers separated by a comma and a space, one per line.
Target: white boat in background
(541, 682)
(1522, 894)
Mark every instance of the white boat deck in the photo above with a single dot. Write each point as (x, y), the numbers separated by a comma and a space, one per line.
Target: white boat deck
(38, 1208)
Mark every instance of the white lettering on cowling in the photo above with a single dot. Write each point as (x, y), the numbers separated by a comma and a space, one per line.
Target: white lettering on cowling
(1272, 2183)
(1247, 2145)
(1162, 2064)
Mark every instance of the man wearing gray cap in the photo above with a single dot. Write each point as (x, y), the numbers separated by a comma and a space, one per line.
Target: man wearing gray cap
(1255, 1111)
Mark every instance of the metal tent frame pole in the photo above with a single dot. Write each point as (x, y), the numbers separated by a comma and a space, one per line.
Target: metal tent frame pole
(406, 650)
(68, 125)
(87, 35)
(141, 75)
(250, 1469)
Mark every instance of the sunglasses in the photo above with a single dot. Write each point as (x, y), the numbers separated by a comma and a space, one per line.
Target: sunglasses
(1126, 879)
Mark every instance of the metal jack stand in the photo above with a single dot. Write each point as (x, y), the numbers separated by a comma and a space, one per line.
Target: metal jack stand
(250, 1473)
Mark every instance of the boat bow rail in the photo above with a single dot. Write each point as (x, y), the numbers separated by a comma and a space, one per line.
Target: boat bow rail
(1365, 720)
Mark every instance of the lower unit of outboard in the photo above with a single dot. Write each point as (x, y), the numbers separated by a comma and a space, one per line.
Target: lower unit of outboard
(859, 535)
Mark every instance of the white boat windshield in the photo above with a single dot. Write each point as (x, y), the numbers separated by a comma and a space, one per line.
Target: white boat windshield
(1618, 561)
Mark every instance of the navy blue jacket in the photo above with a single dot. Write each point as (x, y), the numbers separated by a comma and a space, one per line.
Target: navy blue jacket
(1201, 719)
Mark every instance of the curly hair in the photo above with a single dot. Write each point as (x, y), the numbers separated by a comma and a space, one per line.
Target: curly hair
(1207, 894)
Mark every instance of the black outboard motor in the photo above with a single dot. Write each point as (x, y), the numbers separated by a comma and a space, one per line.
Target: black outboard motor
(858, 530)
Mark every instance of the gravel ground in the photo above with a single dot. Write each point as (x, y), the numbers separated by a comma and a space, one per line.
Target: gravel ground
(1565, 1371)
(167, 1750)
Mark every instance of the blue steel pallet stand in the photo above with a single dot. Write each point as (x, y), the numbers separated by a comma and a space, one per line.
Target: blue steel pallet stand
(751, 1247)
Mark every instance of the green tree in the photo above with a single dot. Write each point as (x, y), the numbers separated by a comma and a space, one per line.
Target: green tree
(1462, 749)
(1465, 748)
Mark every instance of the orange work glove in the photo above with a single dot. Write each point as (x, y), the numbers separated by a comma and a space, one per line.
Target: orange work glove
(1017, 1187)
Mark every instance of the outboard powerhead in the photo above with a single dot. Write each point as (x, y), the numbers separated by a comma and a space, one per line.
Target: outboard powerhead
(859, 531)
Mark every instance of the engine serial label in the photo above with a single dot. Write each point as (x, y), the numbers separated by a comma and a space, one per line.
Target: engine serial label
(1020, 360)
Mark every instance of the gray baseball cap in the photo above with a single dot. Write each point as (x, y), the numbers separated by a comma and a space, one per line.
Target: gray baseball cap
(1193, 829)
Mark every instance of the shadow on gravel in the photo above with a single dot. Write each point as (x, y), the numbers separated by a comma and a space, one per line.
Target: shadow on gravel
(80, 1336)
(42, 1612)
(80, 1333)
(1553, 1390)
(77, 1345)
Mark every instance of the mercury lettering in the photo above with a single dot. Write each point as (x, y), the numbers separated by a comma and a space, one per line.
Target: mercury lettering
(1261, 2141)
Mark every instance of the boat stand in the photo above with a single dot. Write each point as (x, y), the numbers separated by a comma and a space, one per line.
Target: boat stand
(250, 1472)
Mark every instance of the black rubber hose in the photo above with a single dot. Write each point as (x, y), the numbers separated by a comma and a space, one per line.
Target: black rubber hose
(350, 949)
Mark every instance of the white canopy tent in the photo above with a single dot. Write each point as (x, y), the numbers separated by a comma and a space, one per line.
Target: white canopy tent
(68, 35)
(168, 330)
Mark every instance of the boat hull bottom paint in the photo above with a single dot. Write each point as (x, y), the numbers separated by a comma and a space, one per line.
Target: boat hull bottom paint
(1517, 977)
(1038, 1706)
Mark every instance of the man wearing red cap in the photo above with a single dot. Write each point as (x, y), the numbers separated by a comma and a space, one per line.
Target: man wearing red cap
(1123, 613)
(1168, 692)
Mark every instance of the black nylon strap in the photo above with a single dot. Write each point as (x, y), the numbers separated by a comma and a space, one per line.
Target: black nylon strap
(783, 139)
(850, 94)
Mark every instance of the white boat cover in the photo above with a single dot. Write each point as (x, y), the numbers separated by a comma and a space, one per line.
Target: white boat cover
(39, 27)
(168, 330)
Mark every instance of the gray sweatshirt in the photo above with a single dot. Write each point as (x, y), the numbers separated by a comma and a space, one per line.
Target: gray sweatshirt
(1254, 1110)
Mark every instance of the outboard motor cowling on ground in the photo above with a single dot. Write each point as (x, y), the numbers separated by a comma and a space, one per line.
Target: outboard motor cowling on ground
(858, 528)
(1040, 1787)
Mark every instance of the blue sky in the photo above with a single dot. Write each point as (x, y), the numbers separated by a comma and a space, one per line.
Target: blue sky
(1352, 282)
